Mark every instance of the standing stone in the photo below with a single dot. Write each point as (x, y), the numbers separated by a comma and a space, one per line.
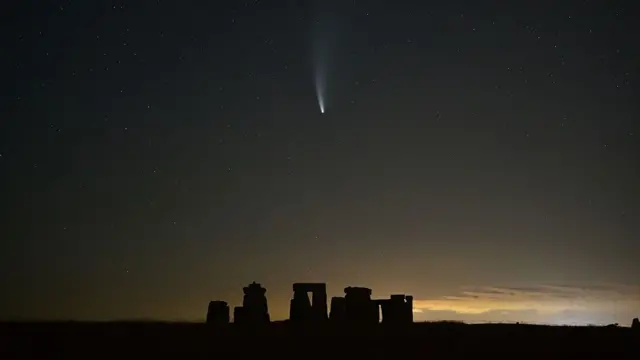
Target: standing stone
(218, 313)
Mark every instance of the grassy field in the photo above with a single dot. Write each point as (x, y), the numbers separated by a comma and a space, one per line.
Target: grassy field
(422, 340)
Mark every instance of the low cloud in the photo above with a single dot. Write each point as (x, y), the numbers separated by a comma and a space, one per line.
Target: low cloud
(556, 303)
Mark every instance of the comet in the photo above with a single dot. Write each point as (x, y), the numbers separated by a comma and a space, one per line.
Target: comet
(324, 34)
(320, 102)
(320, 88)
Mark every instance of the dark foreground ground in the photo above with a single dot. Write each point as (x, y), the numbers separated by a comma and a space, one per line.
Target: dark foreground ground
(280, 341)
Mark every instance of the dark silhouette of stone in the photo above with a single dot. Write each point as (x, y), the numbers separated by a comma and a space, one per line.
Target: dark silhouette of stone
(254, 309)
(303, 311)
(239, 315)
(338, 312)
(218, 313)
(635, 324)
(361, 310)
(408, 299)
(382, 306)
(397, 310)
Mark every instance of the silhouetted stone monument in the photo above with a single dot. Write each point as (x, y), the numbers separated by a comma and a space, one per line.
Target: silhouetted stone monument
(635, 324)
(397, 310)
(239, 316)
(303, 311)
(254, 309)
(218, 313)
(401, 307)
(381, 306)
(338, 312)
(361, 310)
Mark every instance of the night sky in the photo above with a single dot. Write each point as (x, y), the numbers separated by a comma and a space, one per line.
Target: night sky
(483, 156)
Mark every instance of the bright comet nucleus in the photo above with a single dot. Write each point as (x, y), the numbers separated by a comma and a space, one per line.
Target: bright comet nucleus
(320, 92)
(321, 104)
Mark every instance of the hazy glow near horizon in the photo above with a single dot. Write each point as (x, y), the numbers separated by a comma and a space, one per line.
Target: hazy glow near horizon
(551, 304)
